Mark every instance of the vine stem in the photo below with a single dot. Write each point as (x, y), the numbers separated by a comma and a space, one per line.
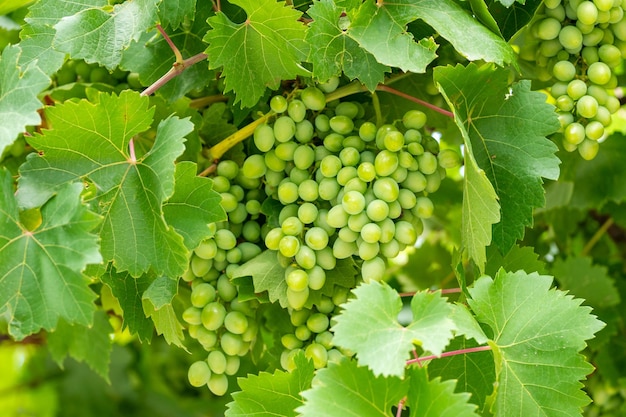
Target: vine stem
(174, 72)
(217, 151)
(447, 354)
(179, 56)
(400, 407)
(443, 291)
(597, 236)
(386, 88)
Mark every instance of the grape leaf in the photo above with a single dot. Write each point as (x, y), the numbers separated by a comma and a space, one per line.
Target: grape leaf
(475, 372)
(152, 58)
(38, 35)
(537, 334)
(41, 276)
(91, 140)
(161, 291)
(598, 181)
(368, 325)
(193, 206)
(101, 34)
(343, 389)
(512, 18)
(466, 324)
(376, 27)
(166, 322)
(334, 51)
(267, 48)
(272, 395)
(507, 127)
(173, 13)
(436, 398)
(91, 344)
(381, 30)
(129, 291)
(517, 258)
(583, 279)
(19, 86)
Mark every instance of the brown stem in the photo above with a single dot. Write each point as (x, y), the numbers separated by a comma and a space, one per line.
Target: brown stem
(175, 71)
(179, 57)
(446, 354)
(388, 89)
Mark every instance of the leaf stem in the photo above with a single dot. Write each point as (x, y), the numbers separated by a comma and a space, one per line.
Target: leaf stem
(400, 407)
(443, 291)
(382, 87)
(217, 151)
(597, 236)
(179, 57)
(447, 354)
(347, 90)
(377, 111)
(175, 71)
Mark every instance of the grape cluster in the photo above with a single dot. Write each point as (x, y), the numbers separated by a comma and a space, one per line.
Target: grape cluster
(576, 45)
(77, 70)
(224, 326)
(339, 187)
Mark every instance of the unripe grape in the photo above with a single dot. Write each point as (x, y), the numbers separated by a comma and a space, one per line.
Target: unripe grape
(564, 71)
(377, 210)
(192, 315)
(341, 124)
(305, 257)
(587, 106)
(254, 166)
(353, 202)
(570, 37)
(393, 141)
(290, 341)
(330, 85)
(217, 361)
(347, 235)
(225, 289)
(594, 130)
(414, 119)
(588, 149)
(218, 384)
(317, 322)
(386, 189)
(296, 110)
(304, 131)
(289, 246)
(587, 13)
(199, 373)
(343, 250)
(284, 129)
(318, 354)
(232, 365)
(304, 156)
(297, 299)
(373, 269)
(202, 294)
(313, 98)
(213, 315)
(367, 131)
(424, 207)
(317, 277)
(236, 322)
(576, 89)
(599, 73)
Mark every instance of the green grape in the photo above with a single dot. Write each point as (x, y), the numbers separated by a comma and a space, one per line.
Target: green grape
(433, 182)
(330, 166)
(290, 341)
(322, 123)
(368, 250)
(306, 257)
(588, 149)
(254, 166)
(405, 232)
(564, 71)
(236, 322)
(366, 171)
(587, 106)
(594, 130)
(427, 163)
(292, 226)
(316, 238)
(386, 163)
(357, 221)
(213, 315)
(217, 361)
(317, 277)
(192, 315)
(304, 131)
(571, 37)
(199, 373)
(251, 231)
(207, 338)
(354, 141)
(284, 129)
(390, 249)
(232, 365)
(414, 119)
(206, 249)
(377, 210)
(202, 294)
(297, 280)
(278, 104)
(308, 190)
(304, 156)
(317, 322)
(345, 174)
(565, 103)
(587, 13)
(325, 305)
(373, 269)
(249, 250)
(286, 151)
(313, 98)
(599, 73)
(289, 246)
(548, 28)
(330, 85)
(297, 299)
(341, 124)
(407, 198)
(353, 202)
(287, 192)
(231, 343)
(334, 142)
(448, 158)
(100, 75)
(225, 239)
(576, 89)
(325, 338)
(318, 354)
(424, 207)
(228, 169)
(302, 332)
(328, 189)
(371, 233)
(200, 266)
(296, 110)
(367, 131)
(263, 137)
(355, 184)
(273, 237)
(218, 384)
(386, 189)
(298, 175)
(290, 210)
(307, 213)
(347, 235)
(349, 156)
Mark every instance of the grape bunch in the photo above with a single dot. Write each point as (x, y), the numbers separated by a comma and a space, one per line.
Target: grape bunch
(576, 46)
(320, 185)
(77, 70)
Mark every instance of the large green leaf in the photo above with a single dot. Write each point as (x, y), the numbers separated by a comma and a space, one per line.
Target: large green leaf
(173, 13)
(101, 34)
(344, 389)
(506, 128)
(41, 277)
(537, 334)
(368, 326)
(267, 48)
(19, 87)
(582, 279)
(334, 51)
(91, 140)
(381, 29)
(272, 395)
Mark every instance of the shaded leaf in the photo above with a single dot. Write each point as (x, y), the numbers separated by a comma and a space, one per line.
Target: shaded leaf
(582, 279)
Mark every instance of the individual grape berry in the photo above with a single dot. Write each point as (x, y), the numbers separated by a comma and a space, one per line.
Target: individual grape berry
(199, 373)
(278, 104)
(313, 98)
